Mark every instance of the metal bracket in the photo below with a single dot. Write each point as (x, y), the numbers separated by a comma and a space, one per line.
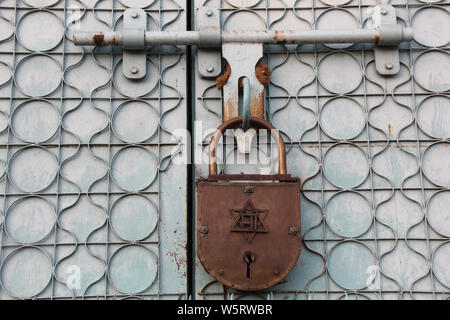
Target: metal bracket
(209, 53)
(242, 58)
(134, 62)
(387, 58)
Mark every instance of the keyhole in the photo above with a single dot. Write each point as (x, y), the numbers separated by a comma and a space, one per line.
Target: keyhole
(249, 258)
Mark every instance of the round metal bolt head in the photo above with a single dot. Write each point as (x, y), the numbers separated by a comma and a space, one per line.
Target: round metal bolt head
(204, 230)
(389, 66)
(134, 70)
(134, 15)
(384, 11)
(209, 13)
(293, 230)
(210, 69)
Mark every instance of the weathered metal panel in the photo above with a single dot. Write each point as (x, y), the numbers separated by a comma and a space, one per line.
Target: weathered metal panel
(372, 151)
(92, 205)
(90, 192)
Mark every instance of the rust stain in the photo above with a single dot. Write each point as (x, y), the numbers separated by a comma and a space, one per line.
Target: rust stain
(263, 73)
(180, 262)
(257, 106)
(377, 39)
(390, 129)
(279, 36)
(223, 79)
(99, 38)
(228, 109)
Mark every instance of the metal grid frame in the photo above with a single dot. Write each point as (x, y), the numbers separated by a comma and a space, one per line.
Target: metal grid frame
(102, 243)
(374, 143)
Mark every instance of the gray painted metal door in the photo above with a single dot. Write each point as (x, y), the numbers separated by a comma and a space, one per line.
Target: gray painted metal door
(95, 202)
(92, 206)
(372, 151)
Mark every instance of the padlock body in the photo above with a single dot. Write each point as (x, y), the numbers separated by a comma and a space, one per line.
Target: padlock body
(248, 232)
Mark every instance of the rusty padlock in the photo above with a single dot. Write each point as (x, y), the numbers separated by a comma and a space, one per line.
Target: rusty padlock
(248, 228)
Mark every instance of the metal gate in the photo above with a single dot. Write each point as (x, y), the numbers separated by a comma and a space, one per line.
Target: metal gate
(97, 204)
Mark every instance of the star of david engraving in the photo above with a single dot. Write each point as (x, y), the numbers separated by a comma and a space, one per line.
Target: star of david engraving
(249, 220)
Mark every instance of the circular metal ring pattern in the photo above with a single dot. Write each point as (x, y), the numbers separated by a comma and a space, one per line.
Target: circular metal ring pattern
(438, 213)
(40, 3)
(4, 122)
(348, 113)
(35, 121)
(435, 161)
(135, 121)
(430, 75)
(134, 168)
(38, 75)
(429, 23)
(339, 72)
(345, 165)
(30, 219)
(136, 89)
(6, 29)
(132, 269)
(137, 3)
(336, 19)
(244, 19)
(33, 168)
(5, 73)
(348, 263)
(335, 3)
(39, 30)
(354, 296)
(242, 4)
(31, 261)
(133, 217)
(2, 169)
(433, 116)
(348, 214)
(441, 257)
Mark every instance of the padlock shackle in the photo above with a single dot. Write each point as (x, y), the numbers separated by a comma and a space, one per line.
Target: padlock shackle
(254, 122)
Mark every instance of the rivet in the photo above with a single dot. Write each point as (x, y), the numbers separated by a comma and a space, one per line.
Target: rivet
(134, 70)
(293, 230)
(209, 13)
(134, 15)
(384, 11)
(389, 66)
(204, 230)
(210, 69)
(249, 189)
